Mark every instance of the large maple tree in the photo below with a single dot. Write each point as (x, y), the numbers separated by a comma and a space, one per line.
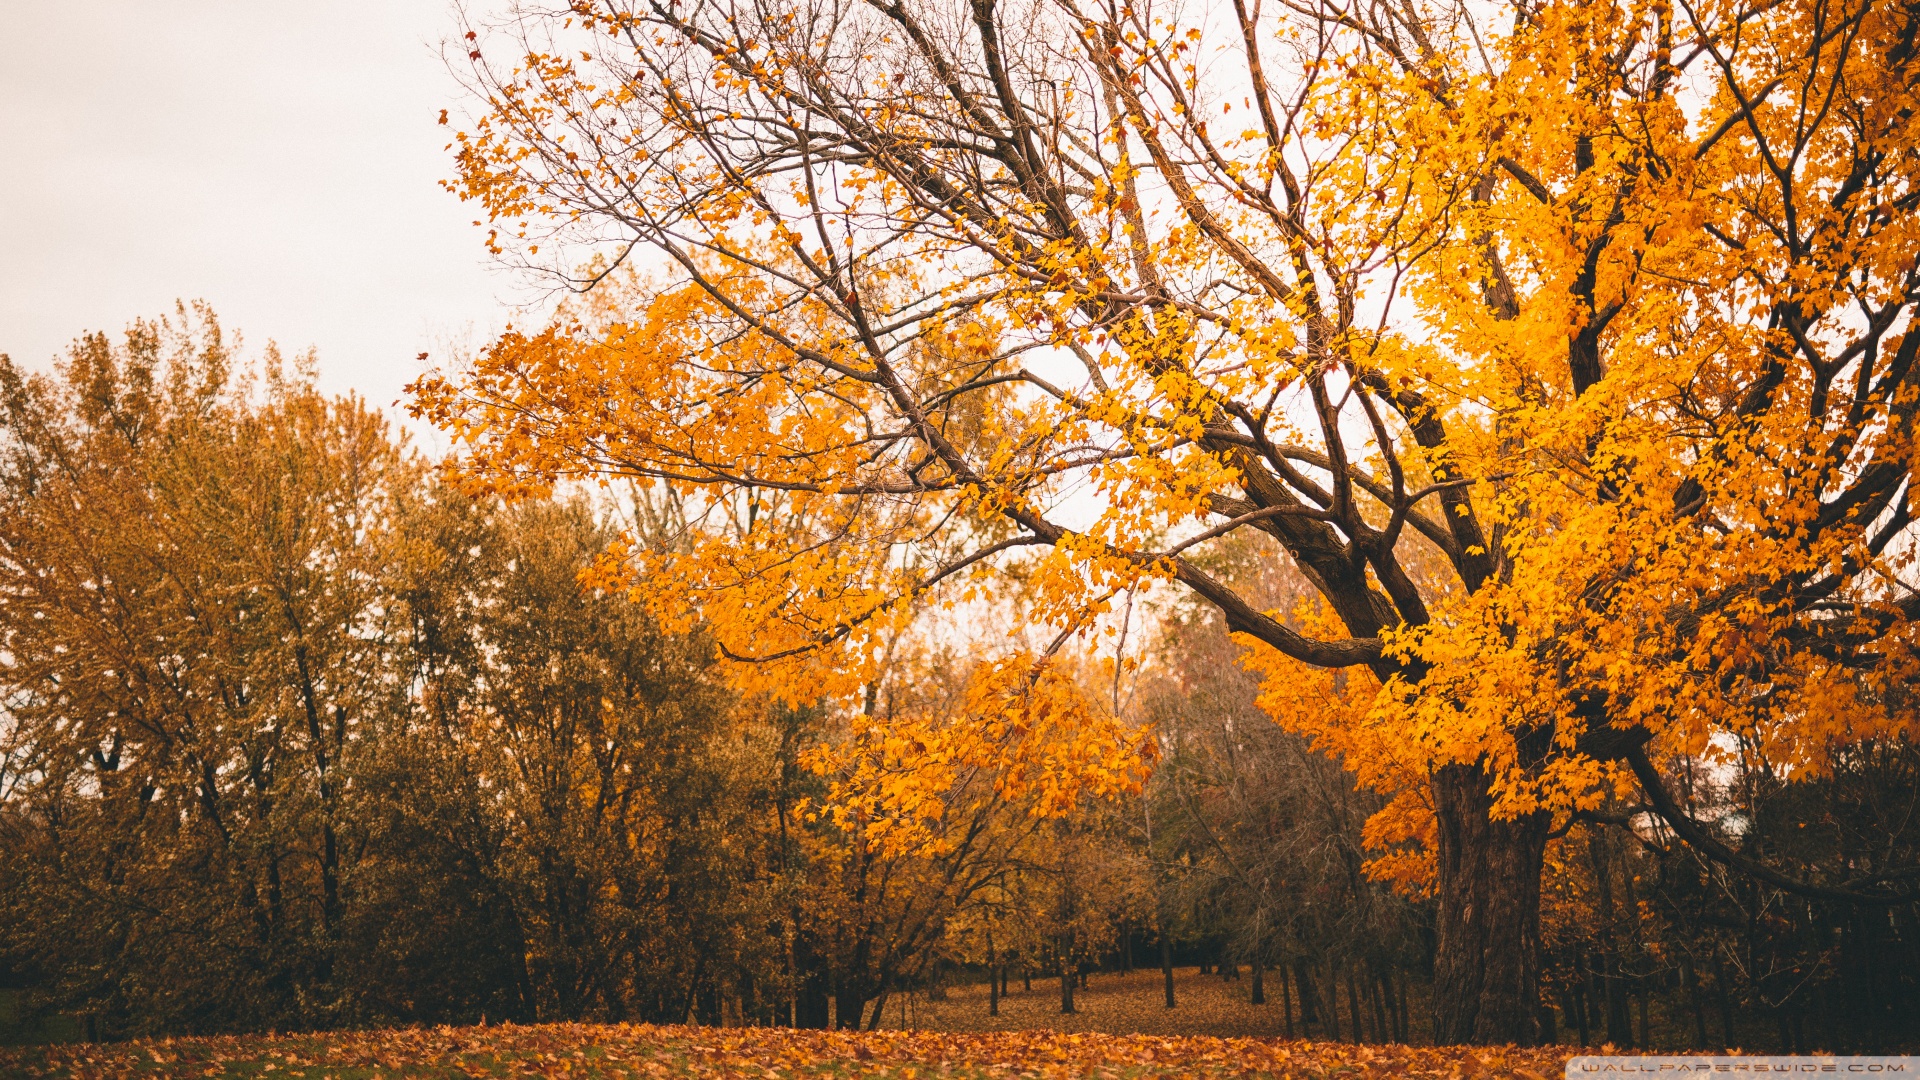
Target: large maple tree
(1565, 349)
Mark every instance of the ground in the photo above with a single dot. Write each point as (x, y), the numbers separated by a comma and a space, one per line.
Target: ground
(1122, 1032)
(1116, 1004)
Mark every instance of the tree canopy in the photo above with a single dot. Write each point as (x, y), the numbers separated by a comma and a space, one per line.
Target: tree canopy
(1565, 351)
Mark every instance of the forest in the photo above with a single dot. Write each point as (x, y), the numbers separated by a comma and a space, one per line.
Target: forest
(301, 737)
(1405, 509)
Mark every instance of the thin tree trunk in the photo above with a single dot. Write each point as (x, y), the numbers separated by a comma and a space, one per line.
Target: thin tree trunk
(993, 981)
(1487, 967)
(1726, 1005)
(1286, 999)
(1581, 998)
(1699, 1011)
(1406, 1032)
(1353, 1003)
(1166, 965)
(1380, 1010)
(1333, 999)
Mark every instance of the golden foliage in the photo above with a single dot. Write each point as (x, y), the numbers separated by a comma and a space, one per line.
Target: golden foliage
(632, 1051)
(1570, 355)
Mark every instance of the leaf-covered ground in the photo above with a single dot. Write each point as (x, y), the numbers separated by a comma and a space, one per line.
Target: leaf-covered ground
(641, 1051)
(1115, 1004)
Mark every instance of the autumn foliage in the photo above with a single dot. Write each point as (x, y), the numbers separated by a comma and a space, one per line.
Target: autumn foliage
(1566, 353)
(989, 450)
(617, 1051)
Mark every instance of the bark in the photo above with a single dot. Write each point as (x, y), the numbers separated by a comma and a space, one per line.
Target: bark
(1726, 1005)
(812, 1005)
(1259, 994)
(993, 982)
(1332, 1002)
(1286, 999)
(1166, 966)
(849, 1005)
(1693, 1002)
(1400, 1007)
(1487, 969)
(1353, 1003)
(1309, 1002)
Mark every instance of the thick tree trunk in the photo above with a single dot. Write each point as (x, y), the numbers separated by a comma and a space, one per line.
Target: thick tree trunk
(849, 1005)
(812, 1004)
(1309, 1001)
(1486, 984)
(850, 999)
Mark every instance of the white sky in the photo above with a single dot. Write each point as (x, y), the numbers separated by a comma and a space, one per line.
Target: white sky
(277, 159)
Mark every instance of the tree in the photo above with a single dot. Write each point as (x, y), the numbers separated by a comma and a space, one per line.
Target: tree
(193, 645)
(1566, 353)
(957, 798)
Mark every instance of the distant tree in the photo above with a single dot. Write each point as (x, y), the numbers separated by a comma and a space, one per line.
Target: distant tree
(195, 648)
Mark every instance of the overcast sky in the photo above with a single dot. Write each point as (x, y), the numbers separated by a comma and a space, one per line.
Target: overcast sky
(277, 159)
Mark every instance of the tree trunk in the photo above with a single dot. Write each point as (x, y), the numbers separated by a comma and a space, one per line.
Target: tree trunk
(1166, 965)
(812, 1003)
(993, 982)
(1726, 1005)
(1353, 1002)
(1376, 982)
(1286, 998)
(1259, 994)
(1400, 1009)
(850, 1006)
(1486, 985)
(1066, 984)
(1309, 1001)
(1332, 1002)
